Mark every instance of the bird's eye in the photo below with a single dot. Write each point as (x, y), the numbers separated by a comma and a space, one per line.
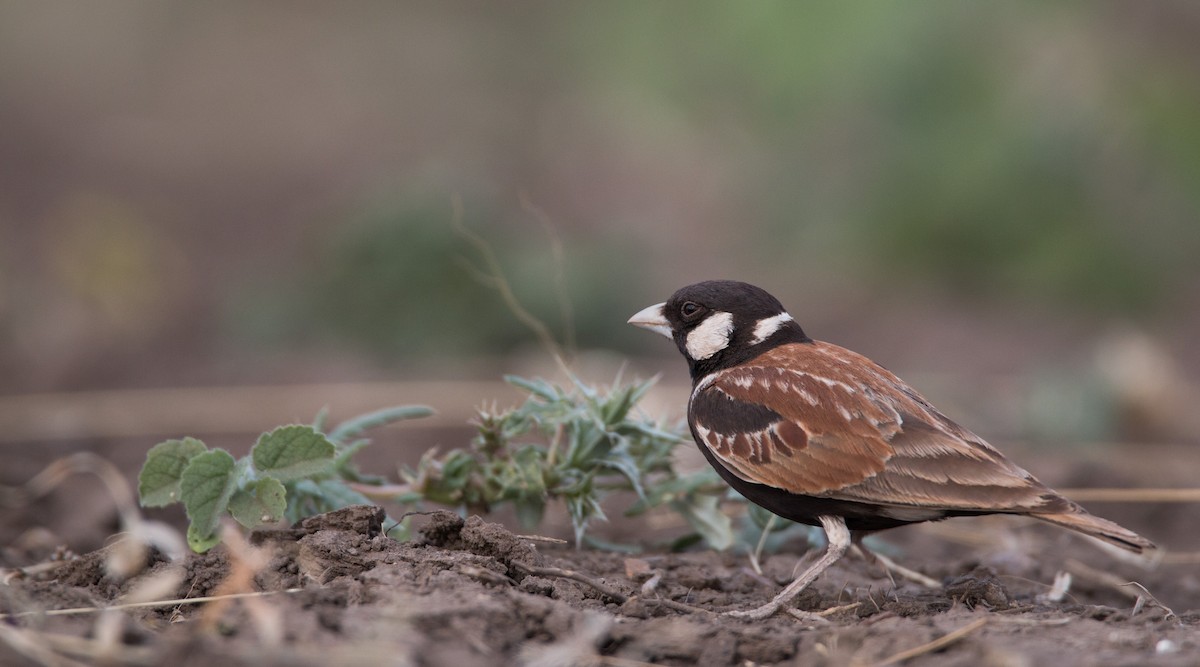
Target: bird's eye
(689, 308)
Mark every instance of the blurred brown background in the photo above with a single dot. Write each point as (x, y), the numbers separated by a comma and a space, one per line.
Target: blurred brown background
(1000, 203)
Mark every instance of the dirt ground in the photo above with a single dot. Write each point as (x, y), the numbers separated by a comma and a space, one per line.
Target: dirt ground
(473, 593)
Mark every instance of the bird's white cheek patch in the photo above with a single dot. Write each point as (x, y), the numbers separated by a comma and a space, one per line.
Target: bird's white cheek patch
(764, 328)
(711, 336)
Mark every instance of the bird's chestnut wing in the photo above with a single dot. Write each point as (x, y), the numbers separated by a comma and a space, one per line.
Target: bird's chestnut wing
(818, 420)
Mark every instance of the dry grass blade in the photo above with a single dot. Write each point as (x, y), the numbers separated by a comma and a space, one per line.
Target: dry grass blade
(678, 606)
(1033, 622)
(833, 610)
(756, 555)
(929, 647)
(814, 620)
(73, 611)
(55, 474)
(542, 538)
(1132, 589)
(1085, 571)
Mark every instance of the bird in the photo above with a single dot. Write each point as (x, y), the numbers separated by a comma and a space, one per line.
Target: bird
(824, 436)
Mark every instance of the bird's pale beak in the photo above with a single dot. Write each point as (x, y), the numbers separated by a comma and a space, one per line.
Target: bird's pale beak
(652, 318)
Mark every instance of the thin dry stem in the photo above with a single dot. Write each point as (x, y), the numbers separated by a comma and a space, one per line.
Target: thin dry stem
(560, 276)
(542, 538)
(937, 644)
(75, 611)
(756, 555)
(494, 276)
(833, 610)
(573, 576)
(1132, 589)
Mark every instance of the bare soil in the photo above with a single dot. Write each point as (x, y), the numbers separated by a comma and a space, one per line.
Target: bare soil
(469, 592)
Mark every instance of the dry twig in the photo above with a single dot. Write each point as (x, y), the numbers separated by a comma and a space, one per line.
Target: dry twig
(1127, 588)
(604, 590)
(937, 644)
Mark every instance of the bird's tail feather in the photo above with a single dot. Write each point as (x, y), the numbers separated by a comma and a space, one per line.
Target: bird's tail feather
(1101, 528)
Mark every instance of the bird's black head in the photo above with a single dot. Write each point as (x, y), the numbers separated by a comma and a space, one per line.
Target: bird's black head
(719, 323)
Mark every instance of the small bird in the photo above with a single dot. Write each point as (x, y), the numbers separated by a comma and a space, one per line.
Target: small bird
(824, 436)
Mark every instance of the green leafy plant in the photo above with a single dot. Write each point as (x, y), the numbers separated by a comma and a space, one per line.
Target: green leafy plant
(291, 472)
(575, 445)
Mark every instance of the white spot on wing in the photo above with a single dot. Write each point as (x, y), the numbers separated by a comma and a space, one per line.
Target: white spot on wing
(711, 336)
(767, 326)
(831, 383)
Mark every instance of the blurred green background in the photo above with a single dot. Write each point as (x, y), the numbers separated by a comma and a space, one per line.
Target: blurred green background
(1000, 201)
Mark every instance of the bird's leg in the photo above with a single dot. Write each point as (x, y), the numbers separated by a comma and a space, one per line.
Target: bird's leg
(889, 565)
(838, 537)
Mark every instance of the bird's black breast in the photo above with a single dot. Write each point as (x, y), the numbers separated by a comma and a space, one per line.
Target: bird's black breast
(721, 413)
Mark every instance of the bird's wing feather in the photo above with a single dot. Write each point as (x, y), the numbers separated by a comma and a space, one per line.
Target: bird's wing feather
(815, 419)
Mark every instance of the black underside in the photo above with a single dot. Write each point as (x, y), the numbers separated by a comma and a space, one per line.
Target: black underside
(863, 517)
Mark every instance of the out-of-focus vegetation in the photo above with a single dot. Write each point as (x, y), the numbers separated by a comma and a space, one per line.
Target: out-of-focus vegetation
(403, 284)
(186, 183)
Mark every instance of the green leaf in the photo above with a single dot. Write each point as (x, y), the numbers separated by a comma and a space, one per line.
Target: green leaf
(347, 430)
(705, 516)
(308, 497)
(345, 469)
(321, 418)
(201, 544)
(619, 459)
(264, 501)
(337, 495)
(205, 487)
(539, 388)
(293, 452)
(158, 482)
